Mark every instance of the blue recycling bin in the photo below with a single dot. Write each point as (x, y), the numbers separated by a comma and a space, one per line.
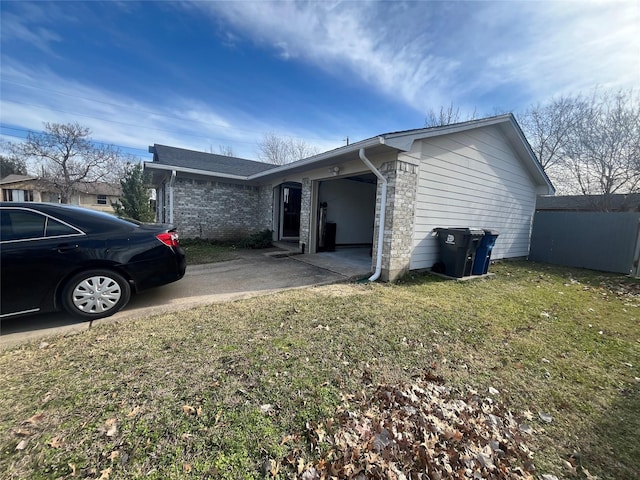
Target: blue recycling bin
(458, 249)
(483, 252)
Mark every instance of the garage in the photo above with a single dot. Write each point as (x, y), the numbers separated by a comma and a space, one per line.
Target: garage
(346, 212)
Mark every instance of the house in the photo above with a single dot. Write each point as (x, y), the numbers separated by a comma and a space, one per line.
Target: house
(96, 195)
(477, 173)
(26, 188)
(20, 188)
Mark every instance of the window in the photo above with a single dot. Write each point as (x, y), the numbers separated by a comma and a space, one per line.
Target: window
(21, 225)
(17, 195)
(102, 199)
(26, 225)
(55, 228)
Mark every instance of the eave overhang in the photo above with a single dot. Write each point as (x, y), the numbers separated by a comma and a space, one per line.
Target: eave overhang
(398, 141)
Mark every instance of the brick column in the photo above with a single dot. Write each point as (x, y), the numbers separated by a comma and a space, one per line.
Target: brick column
(305, 214)
(402, 182)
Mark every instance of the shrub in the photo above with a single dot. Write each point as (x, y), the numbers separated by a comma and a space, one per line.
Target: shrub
(261, 239)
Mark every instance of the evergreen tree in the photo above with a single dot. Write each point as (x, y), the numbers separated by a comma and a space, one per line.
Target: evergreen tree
(9, 166)
(134, 202)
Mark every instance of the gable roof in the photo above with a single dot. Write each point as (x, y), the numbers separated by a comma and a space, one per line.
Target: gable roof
(14, 178)
(206, 162)
(168, 158)
(99, 188)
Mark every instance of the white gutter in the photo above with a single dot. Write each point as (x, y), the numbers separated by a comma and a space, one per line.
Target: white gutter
(155, 166)
(172, 181)
(371, 142)
(383, 208)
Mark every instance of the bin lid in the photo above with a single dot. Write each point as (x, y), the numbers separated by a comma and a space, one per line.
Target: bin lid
(488, 231)
(476, 231)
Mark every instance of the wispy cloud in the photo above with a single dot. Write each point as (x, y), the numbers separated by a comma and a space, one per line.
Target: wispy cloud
(430, 53)
(21, 28)
(564, 48)
(133, 89)
(351, 35)
(128, 122)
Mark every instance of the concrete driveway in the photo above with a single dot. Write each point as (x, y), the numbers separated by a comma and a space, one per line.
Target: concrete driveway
(253, 273)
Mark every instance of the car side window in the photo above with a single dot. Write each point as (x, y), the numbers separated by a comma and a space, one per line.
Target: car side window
(55, 228)
(25, 225)
(21, 225)
(6, 229)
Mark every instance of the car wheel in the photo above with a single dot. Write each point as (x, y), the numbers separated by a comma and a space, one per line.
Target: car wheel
(95, 294)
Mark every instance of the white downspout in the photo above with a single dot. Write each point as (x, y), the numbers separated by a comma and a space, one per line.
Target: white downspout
(172, 181)
(383, 209)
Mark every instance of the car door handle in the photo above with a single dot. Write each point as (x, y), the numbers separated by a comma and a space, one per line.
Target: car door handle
(66, 247)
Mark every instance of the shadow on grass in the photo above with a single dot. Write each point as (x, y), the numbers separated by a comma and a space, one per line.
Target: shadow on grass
(613, 444)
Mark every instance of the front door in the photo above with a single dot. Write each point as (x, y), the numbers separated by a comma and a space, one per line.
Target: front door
(290, 211)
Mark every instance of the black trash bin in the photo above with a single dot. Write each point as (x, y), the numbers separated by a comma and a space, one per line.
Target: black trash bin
(458, 249)
(330, 237)
(483, 252)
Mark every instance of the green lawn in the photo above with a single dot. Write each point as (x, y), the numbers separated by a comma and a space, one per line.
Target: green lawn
(201, 251)
(345, 377)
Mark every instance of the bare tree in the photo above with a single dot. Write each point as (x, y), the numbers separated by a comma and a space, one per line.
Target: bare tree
(67, 157)
(447, 116)
(550, 127)
(226, 150)
(282, 150)
(603, 153)
(588, 144)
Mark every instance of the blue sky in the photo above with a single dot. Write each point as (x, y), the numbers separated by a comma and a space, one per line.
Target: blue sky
(203, 74)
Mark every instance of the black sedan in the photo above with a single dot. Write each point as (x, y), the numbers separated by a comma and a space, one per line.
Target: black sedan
(86, 262)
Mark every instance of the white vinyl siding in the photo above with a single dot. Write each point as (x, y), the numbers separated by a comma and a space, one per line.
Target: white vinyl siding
(472, 179)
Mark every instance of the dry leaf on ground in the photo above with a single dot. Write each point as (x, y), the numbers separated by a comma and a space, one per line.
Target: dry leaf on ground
(424, 430)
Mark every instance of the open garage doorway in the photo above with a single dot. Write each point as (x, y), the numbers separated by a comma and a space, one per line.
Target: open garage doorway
(346, 215)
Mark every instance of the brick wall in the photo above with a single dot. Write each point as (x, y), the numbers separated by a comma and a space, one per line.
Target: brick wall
(220, 210)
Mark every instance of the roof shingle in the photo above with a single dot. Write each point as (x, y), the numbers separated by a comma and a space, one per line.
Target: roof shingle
(210, 162)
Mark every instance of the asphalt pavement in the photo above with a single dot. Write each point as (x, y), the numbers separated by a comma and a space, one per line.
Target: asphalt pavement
(253, 273)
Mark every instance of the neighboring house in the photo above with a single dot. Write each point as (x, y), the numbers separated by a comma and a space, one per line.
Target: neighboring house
(24, 188)
(97, 196)
(629, 202)
(477, 173)
(20, 188)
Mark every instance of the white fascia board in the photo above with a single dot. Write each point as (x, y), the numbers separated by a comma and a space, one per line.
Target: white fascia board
(354, 147)
(404, 140)
(194, 171)
(532, 157)
(534, 164)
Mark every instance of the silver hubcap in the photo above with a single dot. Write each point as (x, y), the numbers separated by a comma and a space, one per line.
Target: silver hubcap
(96, 294)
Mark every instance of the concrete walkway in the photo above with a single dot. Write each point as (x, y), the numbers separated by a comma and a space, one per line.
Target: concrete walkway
(254, 272)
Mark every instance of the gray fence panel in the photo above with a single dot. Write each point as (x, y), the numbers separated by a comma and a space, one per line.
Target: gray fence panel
(605, 241)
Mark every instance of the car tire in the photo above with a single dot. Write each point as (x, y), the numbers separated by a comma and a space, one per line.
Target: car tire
(95, 294)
